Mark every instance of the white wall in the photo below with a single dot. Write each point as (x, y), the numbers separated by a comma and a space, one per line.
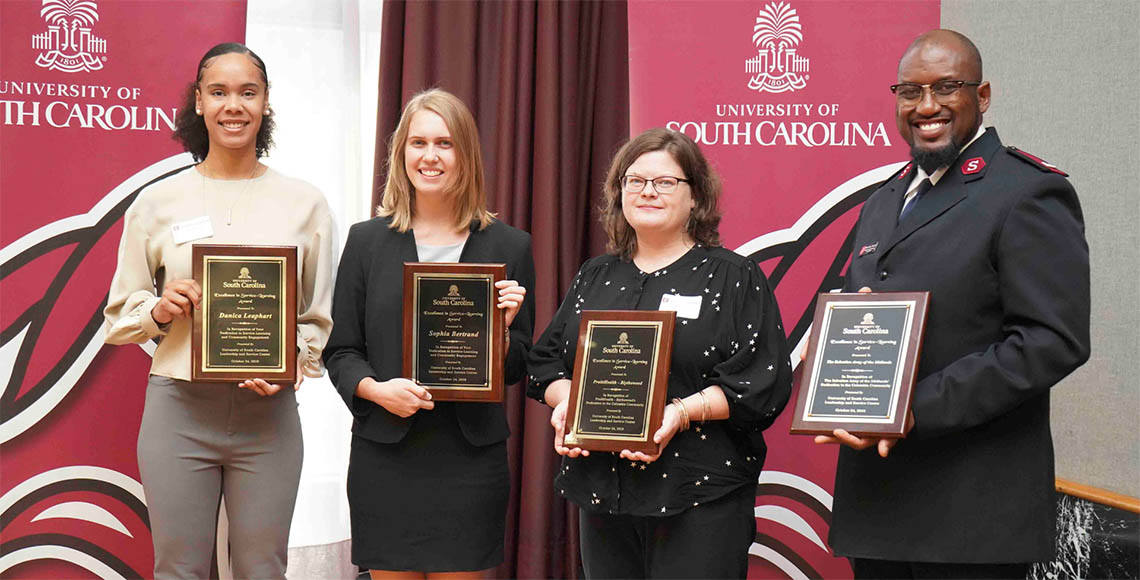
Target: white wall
(323, 62)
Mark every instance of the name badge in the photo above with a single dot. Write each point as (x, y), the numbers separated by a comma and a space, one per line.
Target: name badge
(685, 306)
(192, 229)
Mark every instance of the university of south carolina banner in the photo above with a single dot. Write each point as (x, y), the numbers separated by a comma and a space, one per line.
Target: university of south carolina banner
(88, 95)
(789, 100)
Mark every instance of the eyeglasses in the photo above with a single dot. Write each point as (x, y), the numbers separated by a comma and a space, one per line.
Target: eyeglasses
(912, 92)
(663, 184)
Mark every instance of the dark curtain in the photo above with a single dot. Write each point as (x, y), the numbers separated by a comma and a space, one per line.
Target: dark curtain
(548, 84)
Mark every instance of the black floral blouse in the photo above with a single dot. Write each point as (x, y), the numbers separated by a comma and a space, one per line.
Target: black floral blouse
(736, 341)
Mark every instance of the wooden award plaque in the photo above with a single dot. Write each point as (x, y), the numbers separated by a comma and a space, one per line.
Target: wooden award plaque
(453, 330)
(246, 327)
(620, 380)
(860, 369)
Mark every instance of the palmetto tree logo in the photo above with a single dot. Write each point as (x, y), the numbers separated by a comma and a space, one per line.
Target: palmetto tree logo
(777, 68)
(68, 44)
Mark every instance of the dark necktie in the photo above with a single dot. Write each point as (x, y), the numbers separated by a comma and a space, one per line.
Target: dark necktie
(922, 189)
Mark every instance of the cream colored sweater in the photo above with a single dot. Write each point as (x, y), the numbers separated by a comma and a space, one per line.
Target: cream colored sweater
(271, 209)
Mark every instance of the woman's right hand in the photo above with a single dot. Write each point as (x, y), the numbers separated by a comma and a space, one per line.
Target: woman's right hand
(401, 397)
(557, 393)
(558, 421)
(179, 298)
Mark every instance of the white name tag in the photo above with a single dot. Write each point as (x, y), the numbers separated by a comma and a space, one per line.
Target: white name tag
(192, 229)
(685, 306)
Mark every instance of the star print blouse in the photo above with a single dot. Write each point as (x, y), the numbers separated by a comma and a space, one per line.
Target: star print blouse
(735, 340)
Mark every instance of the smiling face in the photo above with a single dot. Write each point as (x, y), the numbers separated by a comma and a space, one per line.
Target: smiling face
(651, 212)
(232, 97)
(429, 154)
(937, 127)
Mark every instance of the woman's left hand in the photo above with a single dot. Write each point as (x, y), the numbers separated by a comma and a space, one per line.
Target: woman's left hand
(511, 297)
(300, 374)
(260, 386)
(266, 389)
(670, 424)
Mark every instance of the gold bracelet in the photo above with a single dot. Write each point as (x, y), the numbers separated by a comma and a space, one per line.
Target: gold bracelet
(683, 412)
(705, 412)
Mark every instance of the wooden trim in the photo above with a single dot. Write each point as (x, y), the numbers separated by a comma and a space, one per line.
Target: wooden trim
(1097, 495)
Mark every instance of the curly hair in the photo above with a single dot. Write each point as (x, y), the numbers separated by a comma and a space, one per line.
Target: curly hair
(703, 183)
(190, 128)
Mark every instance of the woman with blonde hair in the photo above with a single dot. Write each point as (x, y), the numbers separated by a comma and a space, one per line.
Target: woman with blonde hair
(428, 481)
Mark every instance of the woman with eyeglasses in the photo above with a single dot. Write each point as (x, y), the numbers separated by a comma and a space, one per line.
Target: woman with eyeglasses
(428, 481)
(688, 511)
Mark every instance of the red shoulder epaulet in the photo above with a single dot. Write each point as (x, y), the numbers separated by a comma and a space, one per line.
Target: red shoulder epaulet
(1034, 160)
(905, 171)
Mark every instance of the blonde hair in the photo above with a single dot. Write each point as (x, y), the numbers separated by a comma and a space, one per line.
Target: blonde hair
(467, 187)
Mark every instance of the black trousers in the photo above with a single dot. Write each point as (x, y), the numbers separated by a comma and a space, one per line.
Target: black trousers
(868, 569)
(708, 541)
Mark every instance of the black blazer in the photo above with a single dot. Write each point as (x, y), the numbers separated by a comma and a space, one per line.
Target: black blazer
(999, 242)
(367, 314)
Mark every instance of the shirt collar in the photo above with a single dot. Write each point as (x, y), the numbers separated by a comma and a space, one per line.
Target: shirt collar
(920, 174)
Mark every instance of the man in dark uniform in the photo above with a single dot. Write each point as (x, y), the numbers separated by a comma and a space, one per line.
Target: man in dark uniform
(996, 236)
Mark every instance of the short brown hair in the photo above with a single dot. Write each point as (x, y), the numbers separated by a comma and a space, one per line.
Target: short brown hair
(468, 186)
(703, 182)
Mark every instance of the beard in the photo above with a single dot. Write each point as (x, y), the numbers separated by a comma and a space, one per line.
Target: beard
(931, 160)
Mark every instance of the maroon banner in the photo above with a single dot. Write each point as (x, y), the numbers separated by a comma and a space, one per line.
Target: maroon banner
(88, 95)
(790, 102)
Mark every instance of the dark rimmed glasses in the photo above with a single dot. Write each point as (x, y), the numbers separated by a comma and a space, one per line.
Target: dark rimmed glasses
(912, 92)
(663, 184)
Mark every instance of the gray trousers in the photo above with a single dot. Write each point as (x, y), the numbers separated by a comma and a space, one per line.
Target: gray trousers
(201, 441)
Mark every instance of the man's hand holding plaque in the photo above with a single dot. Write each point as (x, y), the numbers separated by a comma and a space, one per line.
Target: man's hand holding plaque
(882, 444)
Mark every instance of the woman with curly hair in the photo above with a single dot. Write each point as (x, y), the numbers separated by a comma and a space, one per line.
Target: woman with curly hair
(202, 442)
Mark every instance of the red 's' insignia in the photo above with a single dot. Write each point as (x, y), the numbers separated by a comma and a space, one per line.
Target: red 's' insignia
(972, 166)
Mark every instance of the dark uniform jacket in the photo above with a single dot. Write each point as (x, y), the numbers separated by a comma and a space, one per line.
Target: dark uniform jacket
(367, 335)
(999, 243)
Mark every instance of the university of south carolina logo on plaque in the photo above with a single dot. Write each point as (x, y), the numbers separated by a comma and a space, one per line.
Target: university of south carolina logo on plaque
(68, 44)
(777, 68)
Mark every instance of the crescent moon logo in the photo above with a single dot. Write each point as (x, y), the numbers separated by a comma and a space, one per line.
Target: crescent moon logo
(802, 261)
(54, 281)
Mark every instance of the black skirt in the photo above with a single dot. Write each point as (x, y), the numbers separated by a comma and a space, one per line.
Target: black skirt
(432, 502)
